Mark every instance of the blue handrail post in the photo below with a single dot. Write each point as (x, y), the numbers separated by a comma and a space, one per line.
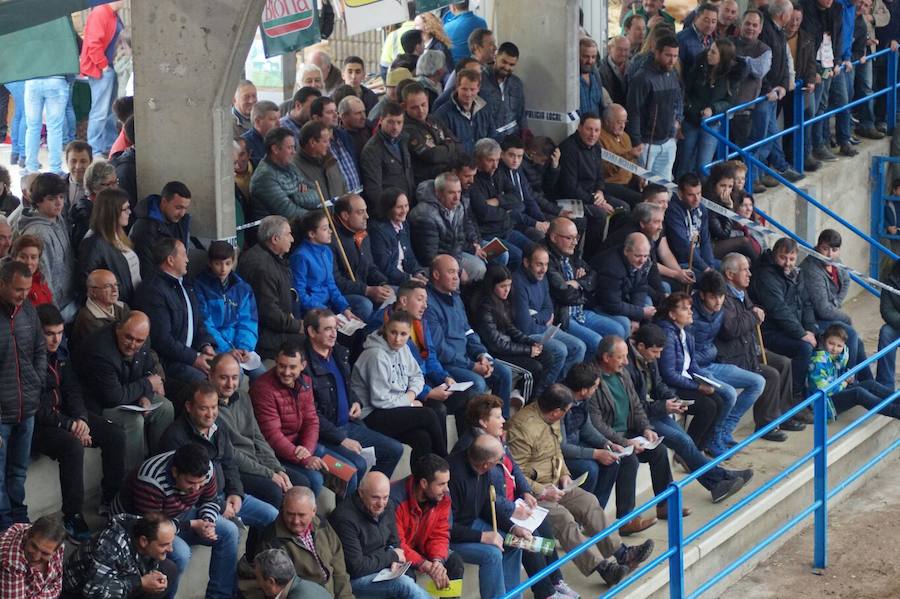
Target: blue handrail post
(799, 120)
(820, 480)
(676, 542)
(877, 229)
(892, 93)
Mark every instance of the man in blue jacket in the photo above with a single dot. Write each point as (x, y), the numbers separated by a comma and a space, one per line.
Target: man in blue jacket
(687, 224)
(158, 216)
(533, 308)
(460, 350)
(466, 114)
(459, 22)
(178, 334)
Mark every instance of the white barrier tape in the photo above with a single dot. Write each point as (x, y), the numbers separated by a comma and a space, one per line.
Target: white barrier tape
(551, 116)
(643, 173)
(233, 239)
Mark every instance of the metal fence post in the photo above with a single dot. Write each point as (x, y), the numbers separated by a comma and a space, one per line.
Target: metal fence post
(876, 176)
(820, 480)
(799, 120)
(676, 538)
(892, 94)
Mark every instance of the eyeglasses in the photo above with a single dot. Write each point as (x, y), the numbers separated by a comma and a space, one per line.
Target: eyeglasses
(106, 287)
(108, 184)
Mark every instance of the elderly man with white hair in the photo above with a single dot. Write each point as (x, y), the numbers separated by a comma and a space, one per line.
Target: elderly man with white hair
(352, 113)
(276, 579)
(430, 70)
(331, 75)
(310, 75)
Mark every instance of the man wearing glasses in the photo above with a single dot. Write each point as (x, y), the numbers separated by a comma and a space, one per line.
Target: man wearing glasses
(102, 307)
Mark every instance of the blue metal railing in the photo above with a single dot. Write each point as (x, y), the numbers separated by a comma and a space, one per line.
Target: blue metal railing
(674, 497)
(880, 201)
(798, 131)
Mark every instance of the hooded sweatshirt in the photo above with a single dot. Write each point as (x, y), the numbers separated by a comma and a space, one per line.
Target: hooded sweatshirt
(383, 375)
(57, 259)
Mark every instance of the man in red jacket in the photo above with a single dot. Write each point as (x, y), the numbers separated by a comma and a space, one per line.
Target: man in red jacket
(98, 52)
(423, 520)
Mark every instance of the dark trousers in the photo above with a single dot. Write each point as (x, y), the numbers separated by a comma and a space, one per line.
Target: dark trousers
(265, 489)
(867, 394)
(62, 446)
(703, 413)
(778, 393)
(419, 428)
(535, 562)
(660, 476)
(4, 108)
(678, 441)
(797, 350)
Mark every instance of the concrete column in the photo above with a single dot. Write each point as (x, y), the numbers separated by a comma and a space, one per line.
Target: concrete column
(188, 57)
(546, 32)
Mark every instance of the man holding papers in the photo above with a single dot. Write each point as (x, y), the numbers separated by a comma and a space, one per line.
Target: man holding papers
(617, 413)
(534, 439)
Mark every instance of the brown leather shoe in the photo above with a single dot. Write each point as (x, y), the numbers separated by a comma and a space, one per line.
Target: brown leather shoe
(637, 525)
(662, 511)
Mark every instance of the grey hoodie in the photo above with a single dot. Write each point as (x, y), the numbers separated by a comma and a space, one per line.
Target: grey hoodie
(382, 376)
(57, 259)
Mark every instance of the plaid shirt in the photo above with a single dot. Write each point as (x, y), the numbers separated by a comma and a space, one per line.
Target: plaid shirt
(309, 543)
(346, 164)
(17, 579)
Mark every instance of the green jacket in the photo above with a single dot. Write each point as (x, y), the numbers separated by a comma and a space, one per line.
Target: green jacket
(276, 190)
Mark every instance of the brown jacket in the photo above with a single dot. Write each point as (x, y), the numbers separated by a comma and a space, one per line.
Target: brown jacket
(536, 447)
(602, 408)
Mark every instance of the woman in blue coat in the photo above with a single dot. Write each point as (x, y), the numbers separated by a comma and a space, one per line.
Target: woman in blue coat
(312, 264)
(391, 242)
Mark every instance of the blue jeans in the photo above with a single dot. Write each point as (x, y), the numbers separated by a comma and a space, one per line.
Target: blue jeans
(15, 455)
(255, 512)
(733, 377)
(677, 439)
(601, 479)
(17, 127)
(764, 123)
(697, 148)
(573, 346)
(862, 87)
(50, 94)
(661, 157)
(70, 123)
(404, 587)
(222, 562)
(596, 326)
(500, 382)
(497, 571)
(887, 363)
(101, 120)
(557, 352)
(827, 96)
(361, 306)
(316, 478)
(387, 451)
(867, 394)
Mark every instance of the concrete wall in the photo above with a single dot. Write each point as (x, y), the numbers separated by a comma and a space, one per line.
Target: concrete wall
(842, 186)
(546, 32)
(188, 57)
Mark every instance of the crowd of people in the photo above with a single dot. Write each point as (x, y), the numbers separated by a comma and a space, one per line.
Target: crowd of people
(567, 339)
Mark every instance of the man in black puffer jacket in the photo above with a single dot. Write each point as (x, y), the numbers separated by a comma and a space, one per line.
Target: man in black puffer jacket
(23, 367)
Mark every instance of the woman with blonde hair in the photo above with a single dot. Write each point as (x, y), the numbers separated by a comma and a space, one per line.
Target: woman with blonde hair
(434, 37)
(107, 246)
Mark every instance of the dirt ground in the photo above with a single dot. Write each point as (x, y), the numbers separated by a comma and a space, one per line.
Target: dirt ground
(863, 559)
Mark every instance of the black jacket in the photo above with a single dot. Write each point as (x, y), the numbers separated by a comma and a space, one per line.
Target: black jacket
(736, 342)
(612, 83)
(787, 305)
(150, 226)
(818, 21)
(773, 36)
(161, 298)
(218, 446)
(432, 147)
(126, 172)
(616, 238)
(580, 170)
(23, 362)
(361, 263)
(272, 282)
(61, 398)
(494, 221)
(621, 289)
(80, 219)
(498, 332)
(470, 499)
(381, 168)
(805, 64)
(386, 242)
(95, 252)
(109, 379)
(648, 384)
(368, 543)
(563, 295)
(325, 392)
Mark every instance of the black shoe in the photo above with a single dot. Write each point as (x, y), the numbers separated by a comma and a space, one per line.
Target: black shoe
(769, 181)
(758, 188)
(612, 573)
(744, 475)
(792, 425)
(791, 175)
(810, 163)
(804, 416)
(775, 435)
(870, 133)
(847, 150)
(77, 529)
(824, 154)
(854, 141)
(726, 488)
(881, 126)
(634, 555)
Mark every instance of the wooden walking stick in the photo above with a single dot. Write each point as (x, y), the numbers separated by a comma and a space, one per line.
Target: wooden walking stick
(493, 508)
(762, 348)
(691, 260)
(334, 230)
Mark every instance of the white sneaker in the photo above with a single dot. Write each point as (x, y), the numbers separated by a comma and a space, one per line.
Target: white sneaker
(565, 590)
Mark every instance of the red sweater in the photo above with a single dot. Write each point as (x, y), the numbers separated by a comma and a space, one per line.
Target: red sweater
(40, 293)
(98, 33)
(423, 534)
(287, 417)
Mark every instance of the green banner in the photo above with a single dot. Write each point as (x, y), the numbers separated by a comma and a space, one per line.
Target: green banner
(289, 25)
(430, 5)
(39, 51)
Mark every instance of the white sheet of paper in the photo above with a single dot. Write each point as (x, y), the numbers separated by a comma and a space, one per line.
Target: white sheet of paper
(702, 379)
(646, 444)
(388, 302)
(132, 408)
(368, 454)
(576, 483)
(349, 326)
(460, 386)
(551, 332)
(627, 450)
(253, 362)
(532, 522)
(388, 574)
